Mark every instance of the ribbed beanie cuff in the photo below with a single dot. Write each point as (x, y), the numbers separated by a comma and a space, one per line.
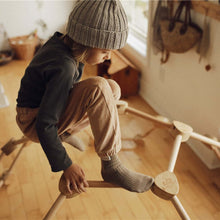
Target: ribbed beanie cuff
(98, 24)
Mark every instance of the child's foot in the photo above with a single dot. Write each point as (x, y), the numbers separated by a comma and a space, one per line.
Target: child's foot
(72, 140)
(113, 171)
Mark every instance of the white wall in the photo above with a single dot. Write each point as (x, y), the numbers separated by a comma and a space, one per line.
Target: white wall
(20, 17)
(183, 90)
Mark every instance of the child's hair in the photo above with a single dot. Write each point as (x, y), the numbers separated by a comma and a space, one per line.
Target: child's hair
(79, 51)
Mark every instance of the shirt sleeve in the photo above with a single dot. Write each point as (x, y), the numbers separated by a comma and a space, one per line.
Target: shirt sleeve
(59, 82)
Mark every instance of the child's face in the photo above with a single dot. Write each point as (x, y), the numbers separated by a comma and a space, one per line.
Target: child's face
(96, 56)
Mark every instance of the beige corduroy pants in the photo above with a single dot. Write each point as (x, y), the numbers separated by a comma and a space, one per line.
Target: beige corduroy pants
(91, 101)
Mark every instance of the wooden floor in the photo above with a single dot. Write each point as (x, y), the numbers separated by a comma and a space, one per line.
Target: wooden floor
(32, 188)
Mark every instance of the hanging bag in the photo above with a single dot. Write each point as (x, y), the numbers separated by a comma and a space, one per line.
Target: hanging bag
(161, 13)
(180, 36)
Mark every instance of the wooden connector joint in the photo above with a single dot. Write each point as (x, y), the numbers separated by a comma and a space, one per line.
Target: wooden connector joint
(12, 144)
(183, 129)
(121, 106)
(165, 185)
(9, 147)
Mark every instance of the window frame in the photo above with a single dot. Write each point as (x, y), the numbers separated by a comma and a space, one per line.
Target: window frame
(136, 38)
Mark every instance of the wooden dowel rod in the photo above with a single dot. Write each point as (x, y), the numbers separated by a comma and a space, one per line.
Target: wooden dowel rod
(54, 208)
(176, 147)
(148, 116)
(16, 158)
(20, 141)
(101, 184)
(205, 139)
(182, 212)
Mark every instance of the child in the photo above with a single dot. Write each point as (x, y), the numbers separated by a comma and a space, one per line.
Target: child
(53, 105)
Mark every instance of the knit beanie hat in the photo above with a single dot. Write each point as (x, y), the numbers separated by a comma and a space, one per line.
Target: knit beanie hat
(98, 24)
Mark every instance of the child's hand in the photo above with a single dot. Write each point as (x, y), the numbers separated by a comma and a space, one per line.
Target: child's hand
(75, 179)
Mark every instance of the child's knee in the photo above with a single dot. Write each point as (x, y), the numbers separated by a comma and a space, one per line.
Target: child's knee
(108, 85)
(116, 90)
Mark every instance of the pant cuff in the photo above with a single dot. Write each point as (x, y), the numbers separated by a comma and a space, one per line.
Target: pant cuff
(107, 155)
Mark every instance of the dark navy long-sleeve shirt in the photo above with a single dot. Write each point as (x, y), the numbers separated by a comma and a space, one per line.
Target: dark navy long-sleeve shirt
(46, 85)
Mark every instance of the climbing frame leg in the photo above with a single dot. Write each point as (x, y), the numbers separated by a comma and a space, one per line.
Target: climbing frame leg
(6, 173)
(55, 207)
(182, 212)
(174, 154)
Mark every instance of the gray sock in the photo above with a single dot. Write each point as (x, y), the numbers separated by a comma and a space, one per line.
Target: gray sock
(114, 172)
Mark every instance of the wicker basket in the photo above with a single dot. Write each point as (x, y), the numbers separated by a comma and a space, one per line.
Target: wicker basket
(24, 46)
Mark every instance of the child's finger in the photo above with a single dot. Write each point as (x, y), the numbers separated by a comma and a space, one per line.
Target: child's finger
(75, 187)
(85, 183)
(81, 187)
(68, 186)
(82, 172)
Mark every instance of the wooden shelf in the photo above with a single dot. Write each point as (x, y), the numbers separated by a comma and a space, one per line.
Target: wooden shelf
(211, 9)
(207, 8)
